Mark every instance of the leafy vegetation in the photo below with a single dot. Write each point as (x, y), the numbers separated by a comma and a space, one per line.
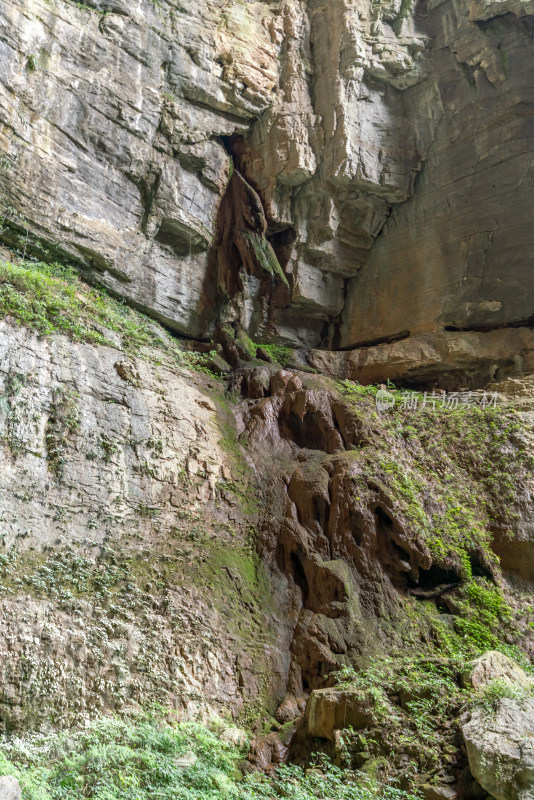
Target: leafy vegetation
(413, 700)
(483, 618)
(143, 759)
(453, 472)
(278, 353)
(453, 477)
(51, 298)
(500, 689)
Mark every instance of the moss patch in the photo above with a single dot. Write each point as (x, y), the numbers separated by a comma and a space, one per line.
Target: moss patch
(51, 299)
(453, 473)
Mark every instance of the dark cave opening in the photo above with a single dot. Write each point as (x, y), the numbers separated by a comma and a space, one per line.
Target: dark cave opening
(434, 581)
(299, 577)
(479, 569)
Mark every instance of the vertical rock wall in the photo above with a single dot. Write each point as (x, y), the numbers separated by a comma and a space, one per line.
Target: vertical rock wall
(387, 142)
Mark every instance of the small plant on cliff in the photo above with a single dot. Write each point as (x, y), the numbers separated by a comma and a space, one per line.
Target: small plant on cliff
(501, 689)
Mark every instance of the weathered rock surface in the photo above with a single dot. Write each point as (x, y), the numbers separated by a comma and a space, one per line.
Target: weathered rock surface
(124, 563)
(455, 254)
(338, 534)
(517, 555)
(119, 109)
(388, 146)
(10, 789)
(129, 519)
(492, 666)
(329, 710)
(500, 747)
(453, 359)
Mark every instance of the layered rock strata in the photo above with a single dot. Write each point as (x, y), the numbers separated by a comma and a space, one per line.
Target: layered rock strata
(387, 147)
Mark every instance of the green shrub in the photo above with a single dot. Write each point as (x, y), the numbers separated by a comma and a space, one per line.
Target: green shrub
(138, 759)
(500, 689)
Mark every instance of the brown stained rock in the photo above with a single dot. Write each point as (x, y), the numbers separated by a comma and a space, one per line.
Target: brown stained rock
(329, 710)
(126, 371)
(307, 419)
(455, 359)
(267, 752)
(256, 383)
(279, 382)
(289, 709)
(351, 428)
(516, 557)
(345, 559)
(294, 384)
(242, 247)
(231, 344)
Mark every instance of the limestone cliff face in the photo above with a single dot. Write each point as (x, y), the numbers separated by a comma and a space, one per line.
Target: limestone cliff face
(128, 576)
(387, 144)
(110, 122)
(352, 179)
(456, 255)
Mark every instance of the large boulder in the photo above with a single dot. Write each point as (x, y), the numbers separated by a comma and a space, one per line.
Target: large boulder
(500, 748)
(492, 666)
(329, 710)
(10, 788)
(499, 731)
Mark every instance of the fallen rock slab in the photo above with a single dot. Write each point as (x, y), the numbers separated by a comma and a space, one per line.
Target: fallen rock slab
(329, 710)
